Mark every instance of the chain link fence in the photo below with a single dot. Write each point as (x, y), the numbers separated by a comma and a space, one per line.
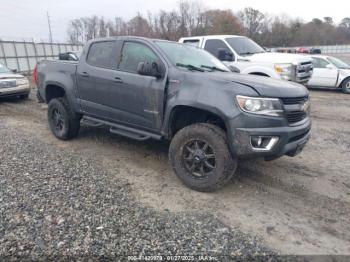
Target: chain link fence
(23, 55)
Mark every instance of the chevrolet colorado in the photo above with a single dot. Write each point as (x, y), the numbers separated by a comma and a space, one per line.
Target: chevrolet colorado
(145, 88)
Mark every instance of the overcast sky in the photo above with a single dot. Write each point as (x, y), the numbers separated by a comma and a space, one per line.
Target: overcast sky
(27, 18)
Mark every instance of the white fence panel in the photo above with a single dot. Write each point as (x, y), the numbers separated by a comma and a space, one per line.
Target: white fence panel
(23, 56)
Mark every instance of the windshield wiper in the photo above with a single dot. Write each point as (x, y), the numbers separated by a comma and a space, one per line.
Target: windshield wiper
(214, 68)
(190, 67)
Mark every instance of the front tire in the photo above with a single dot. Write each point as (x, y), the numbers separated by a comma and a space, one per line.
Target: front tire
(200, 157)
(63, 121)
(24, 97)
(346, 86)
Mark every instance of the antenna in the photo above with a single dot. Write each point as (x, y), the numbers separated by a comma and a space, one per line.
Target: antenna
(49, 23)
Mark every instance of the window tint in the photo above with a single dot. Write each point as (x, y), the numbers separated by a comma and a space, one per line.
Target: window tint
(101, 55)
(213, 45)
(319, 63)
(194, 42)
(133, 53)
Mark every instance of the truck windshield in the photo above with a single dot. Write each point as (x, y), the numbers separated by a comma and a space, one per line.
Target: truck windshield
(244, 46)
(338, 63)
(190, 57)
(4, 69)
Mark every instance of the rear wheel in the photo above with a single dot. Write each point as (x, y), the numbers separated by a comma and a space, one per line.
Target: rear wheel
(346, 86)
(200, 157)
(64, 122)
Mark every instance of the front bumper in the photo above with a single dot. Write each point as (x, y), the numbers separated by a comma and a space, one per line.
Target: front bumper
(292, 140)
(15, 91)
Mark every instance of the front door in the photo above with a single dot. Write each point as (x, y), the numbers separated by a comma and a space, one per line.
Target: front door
(324, 73)
(139, 99)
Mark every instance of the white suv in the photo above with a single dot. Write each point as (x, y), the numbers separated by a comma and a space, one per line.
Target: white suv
(250, 58)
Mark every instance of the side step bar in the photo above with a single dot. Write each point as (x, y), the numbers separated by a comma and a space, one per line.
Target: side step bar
(121, 130)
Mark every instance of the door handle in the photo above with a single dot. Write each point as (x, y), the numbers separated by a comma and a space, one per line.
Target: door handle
(84, 74)
(118, 80)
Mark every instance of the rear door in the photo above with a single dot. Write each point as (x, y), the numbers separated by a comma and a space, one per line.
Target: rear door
(96, 78)
(324, 75)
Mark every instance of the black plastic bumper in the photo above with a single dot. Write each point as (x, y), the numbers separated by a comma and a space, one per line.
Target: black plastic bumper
(292, 140)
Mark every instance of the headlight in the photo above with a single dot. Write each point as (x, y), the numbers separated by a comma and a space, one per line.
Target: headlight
(260, 106)
(285, 70)
(21, 82)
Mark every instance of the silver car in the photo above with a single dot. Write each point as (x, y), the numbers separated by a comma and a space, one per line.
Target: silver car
(13, 84)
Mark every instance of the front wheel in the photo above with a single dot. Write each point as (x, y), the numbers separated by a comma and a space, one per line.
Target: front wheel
(201, 158)
(64, 122)
(346, 86)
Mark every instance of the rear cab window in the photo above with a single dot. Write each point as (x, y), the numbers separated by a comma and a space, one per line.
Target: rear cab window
(102, 54)
(194, 42)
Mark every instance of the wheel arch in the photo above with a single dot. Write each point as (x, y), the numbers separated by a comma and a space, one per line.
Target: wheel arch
(185, 115)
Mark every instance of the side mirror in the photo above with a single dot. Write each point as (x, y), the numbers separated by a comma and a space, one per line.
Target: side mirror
(14, 71)
(234, 69)
(149, 69)
(330, 66)
(225, 55)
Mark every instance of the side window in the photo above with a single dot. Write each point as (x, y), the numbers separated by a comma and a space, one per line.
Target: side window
(194, 42)
(133, 53)
(101, 55)
(213, 45)
(319, 62)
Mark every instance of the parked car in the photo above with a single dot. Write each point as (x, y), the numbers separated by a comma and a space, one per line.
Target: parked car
(153, 89)
(303, 50)
(250, 58)
(315, 51)
(330, 72)
(13, 84)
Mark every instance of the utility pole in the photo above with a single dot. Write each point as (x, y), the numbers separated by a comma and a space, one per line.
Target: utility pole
(49, 23)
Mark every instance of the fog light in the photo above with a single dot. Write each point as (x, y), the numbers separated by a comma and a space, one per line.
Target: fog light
(263, 143)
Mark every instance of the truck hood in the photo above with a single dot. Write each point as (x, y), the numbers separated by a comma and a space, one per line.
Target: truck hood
(9, 76)
(278, 58)
(264, 86)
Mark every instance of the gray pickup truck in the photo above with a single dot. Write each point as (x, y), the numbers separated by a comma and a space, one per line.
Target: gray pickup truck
(153, 89)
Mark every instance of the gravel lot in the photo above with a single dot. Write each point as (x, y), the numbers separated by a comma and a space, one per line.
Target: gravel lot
(102, 194)
(57, 203)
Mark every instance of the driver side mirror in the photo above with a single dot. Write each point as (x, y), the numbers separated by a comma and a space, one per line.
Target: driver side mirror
(14, 71)
(225, 55)
(330, 66)
(149, 69)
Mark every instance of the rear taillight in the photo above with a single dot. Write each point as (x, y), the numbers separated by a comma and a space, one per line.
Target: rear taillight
(35, 75)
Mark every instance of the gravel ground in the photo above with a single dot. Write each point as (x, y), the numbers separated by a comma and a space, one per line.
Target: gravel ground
(58, 204)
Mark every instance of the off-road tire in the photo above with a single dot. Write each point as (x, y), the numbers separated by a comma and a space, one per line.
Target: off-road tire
(70, 120)
(346, 86)
(24, 97)
(215, 137)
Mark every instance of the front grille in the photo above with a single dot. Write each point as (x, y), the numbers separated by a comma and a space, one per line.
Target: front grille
(295, 109)
(294, 100)
(296, 116)
(304, 71)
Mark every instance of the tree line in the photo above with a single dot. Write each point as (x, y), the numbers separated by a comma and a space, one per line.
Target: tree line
(191, 18)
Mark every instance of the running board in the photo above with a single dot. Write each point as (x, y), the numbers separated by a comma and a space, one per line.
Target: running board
(122, 130)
